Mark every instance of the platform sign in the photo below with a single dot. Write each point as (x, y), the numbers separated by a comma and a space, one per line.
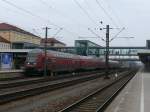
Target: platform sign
(6, 60)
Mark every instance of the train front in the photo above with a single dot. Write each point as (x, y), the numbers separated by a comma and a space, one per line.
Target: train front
(33, 64)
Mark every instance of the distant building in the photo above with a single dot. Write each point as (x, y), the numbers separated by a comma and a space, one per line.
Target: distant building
(85, 43)
(4, 44)
(148, 44)
(17, 35)
(24, 45)
(82, 47)
(52, 42)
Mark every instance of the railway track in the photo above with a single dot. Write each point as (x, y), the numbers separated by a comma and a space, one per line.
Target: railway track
(14, 93)
(100, 99)
(33, 80)
(20, 76)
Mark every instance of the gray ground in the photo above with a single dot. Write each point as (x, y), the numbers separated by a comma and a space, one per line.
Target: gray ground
(55, 100)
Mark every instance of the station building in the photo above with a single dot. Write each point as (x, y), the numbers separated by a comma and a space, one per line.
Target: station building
(52, 42)
(17, 36)
(15, 43)
(11, 39)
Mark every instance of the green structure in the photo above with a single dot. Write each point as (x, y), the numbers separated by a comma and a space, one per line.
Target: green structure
(86, 47)
(83, 47)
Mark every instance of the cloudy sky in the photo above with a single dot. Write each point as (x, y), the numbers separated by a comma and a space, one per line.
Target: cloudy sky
(75, 17)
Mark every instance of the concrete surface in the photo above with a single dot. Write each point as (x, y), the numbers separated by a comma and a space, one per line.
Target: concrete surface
(10, 73)
(135, 97)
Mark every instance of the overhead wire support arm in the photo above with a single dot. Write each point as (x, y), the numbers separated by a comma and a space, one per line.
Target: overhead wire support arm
(117, 34)
(96, 34)
(57, 32)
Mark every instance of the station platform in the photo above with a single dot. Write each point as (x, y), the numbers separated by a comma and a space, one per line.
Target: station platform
(135, 97)
(4, 74)
(11, 71)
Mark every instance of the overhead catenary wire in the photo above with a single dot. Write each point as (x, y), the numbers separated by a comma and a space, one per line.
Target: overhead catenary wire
(85, 12)
(58, 31)
(43, 2)
(60, 13)
(29, 12)
(36, 16)
(107, 14)
(117, 34)
(13, 11)
(90, 8)
(96, 34)
(114, 13)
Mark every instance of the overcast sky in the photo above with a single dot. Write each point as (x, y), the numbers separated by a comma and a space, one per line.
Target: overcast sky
(76, 16)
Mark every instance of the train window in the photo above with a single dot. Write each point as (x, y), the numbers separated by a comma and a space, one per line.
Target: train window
(32, 57)
(49, 60)
(53, 60)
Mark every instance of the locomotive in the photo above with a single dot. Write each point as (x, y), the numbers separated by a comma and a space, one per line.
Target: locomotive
(60, 62)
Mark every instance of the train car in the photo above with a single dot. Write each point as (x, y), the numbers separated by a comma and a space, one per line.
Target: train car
(114, 64)
(59, 62)
(56, 62)
(33, 62)
(88, 63)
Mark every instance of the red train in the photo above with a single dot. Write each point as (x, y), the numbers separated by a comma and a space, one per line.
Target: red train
(58, 62)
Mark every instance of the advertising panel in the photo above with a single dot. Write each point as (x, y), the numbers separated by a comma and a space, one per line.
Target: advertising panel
(6, 60)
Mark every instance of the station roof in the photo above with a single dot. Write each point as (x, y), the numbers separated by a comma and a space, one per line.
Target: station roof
(5, 26)
(51, 40)
(15, 50)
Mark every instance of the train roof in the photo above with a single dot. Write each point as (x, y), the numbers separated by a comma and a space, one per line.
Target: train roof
(61, 54)
(64, 55)
(36, 51)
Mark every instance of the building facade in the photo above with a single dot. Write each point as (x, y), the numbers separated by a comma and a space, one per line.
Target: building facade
(12, 37)
(15, 34)
(4, 44)
(52, 42)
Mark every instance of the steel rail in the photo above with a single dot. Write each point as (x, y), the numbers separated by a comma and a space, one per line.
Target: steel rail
(18, 94)
(103, 105)
(28, 81)
(109, 100)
